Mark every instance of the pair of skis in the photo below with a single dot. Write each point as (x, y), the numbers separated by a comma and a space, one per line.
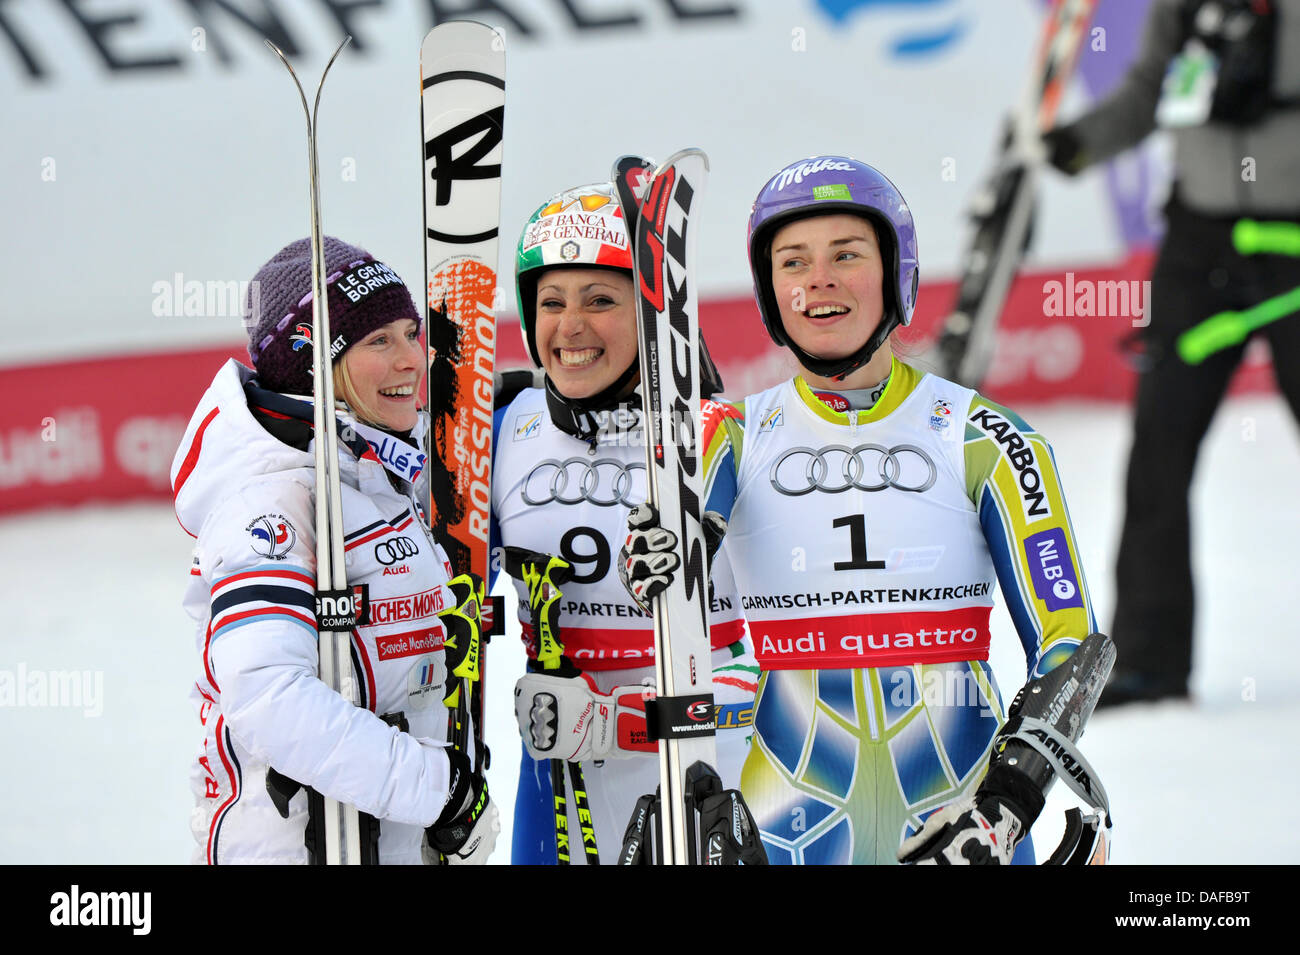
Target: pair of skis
(462, 108)
(661, 207)
(462, 117)
(343, 835)
(1002, 209)
(463, 66)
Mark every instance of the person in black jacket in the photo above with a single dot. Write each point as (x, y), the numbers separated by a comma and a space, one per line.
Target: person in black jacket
(1237, 155)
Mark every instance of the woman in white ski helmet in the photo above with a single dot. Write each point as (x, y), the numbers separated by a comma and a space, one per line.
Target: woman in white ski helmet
(870, 509)
(275, 738)
(569, 464)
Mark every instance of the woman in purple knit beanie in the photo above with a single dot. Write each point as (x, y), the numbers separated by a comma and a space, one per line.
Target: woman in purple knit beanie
(275, 738)
(364, 295)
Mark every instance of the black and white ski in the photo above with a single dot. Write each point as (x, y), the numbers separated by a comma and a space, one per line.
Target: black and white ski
(1002, 209)
(663, 221)
(462, 108)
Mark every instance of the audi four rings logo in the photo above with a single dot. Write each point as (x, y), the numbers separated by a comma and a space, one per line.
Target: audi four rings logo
(602, 481)
(904, 467)
(393, 549)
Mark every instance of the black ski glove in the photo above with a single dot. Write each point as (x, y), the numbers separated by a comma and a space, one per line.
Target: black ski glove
(1065, 150)
(983, 829)
(648, 557)
(466, 832)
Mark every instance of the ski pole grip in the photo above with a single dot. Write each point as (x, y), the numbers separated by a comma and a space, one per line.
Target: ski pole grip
(680, 717)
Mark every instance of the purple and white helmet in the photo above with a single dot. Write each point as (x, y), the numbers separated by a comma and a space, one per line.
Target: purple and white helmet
(826, 185)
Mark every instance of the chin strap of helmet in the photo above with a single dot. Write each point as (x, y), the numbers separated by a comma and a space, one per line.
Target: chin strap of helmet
(710, 377)
(841, 368)
(583, 417)
(891, 318)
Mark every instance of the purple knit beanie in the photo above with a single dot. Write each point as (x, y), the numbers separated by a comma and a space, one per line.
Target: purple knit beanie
(364, 295)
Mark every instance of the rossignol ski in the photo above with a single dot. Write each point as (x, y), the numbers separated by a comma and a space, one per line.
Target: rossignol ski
(337, 833)
(462, 107)
(663, 217)
(1002, 208)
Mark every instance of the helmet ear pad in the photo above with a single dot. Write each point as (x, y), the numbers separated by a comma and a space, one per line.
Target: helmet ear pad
(527, 283)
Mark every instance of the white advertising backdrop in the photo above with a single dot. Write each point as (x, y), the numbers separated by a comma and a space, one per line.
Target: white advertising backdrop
(121, 187)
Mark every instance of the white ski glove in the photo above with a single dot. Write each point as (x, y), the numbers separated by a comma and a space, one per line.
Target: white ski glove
(966, 832)
(568, 718)
(466, 832)
(648, 557)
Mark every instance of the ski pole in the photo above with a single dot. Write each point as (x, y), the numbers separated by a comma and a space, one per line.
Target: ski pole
(542, 581)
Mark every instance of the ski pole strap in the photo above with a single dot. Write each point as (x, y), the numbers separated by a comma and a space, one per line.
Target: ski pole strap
(542, 574)
(1087, 837)
(1228, 329)
(1062, 755)
(1251, 237)
(461, 621)
(641, 832)
(680, 717)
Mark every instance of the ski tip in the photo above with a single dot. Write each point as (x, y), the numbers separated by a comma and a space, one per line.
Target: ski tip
(283, 59)
(632, 173)
(626, 162)
(471, 37)
(683, 154)
(339, 49)
(326, 72)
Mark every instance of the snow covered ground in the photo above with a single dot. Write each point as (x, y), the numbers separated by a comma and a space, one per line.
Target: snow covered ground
(100, 775)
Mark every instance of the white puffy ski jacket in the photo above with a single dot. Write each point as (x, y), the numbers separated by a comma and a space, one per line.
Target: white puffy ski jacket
(244, 482)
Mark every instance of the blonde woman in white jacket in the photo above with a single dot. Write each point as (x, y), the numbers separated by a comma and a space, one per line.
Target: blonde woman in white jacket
(273, 734)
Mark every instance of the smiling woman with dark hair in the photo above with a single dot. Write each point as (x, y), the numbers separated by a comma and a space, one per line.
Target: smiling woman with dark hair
(569, 464)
